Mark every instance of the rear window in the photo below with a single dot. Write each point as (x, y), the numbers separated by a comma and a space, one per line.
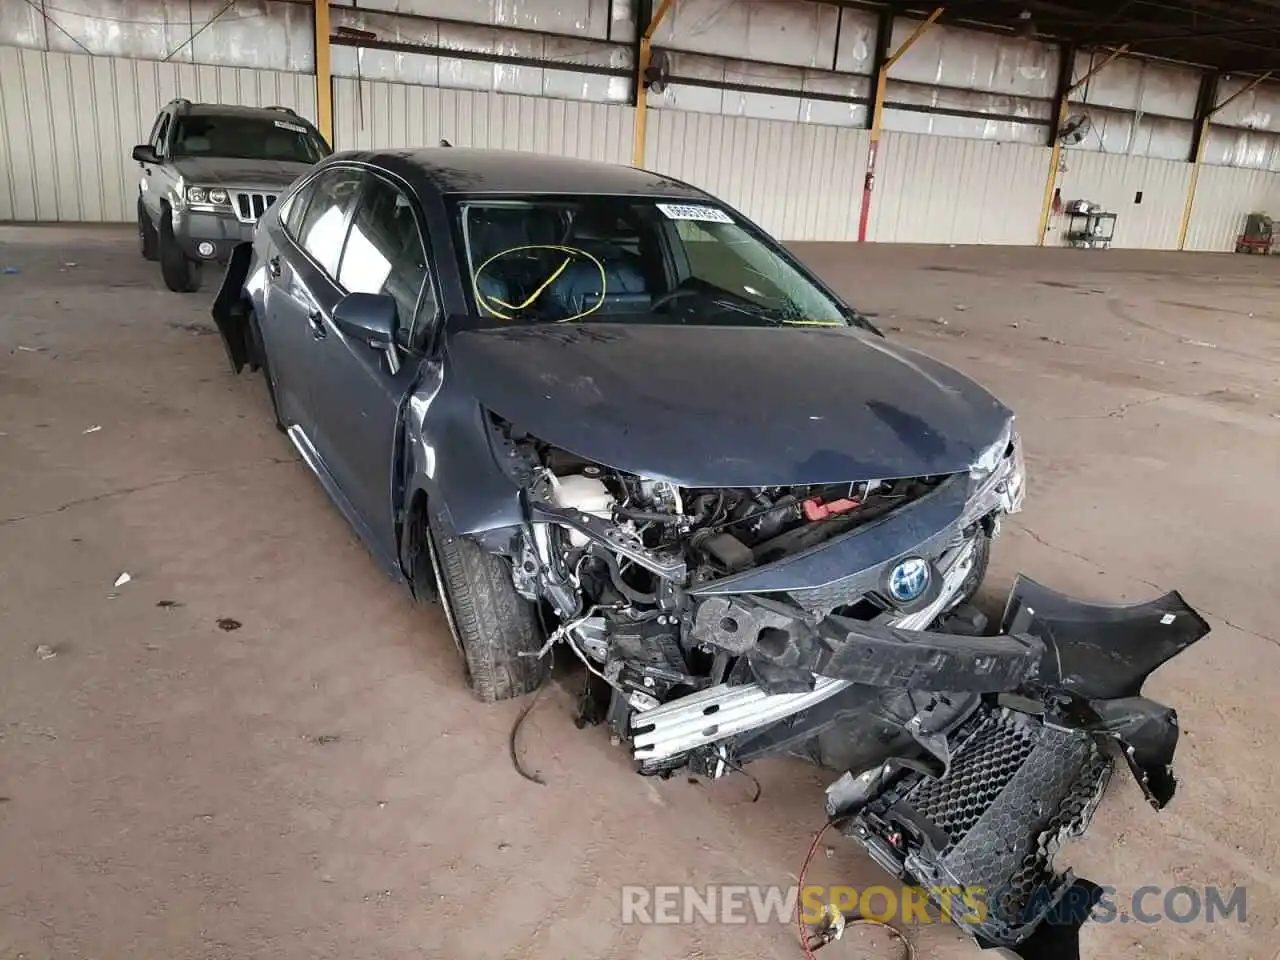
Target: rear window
(285, 138)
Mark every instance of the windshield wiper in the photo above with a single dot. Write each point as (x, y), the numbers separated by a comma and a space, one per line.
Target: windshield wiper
(781, 316)
(775, 314)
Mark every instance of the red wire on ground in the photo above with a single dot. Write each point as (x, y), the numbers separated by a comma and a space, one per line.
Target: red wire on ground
(908, 950)
(804, 868)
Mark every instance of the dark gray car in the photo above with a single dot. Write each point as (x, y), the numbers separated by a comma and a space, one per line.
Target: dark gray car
(594, 409)
(206, 175)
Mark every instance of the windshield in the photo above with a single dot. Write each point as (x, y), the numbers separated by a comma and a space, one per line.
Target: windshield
(552, 259)
(248, 138)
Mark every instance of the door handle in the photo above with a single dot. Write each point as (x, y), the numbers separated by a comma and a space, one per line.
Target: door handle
(273, 266)
(316, 319)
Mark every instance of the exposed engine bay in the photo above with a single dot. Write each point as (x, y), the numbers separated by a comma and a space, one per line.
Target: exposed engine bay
(833, 622)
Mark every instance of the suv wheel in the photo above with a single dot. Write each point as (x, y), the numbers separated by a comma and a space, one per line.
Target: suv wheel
(147, 235)
(495, 628)
(181, 275)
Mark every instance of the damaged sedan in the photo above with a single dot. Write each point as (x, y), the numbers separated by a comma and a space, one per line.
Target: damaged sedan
(593, 411)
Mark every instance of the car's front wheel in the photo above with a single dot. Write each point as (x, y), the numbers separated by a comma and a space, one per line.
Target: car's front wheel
(495, 628)
(181, 274)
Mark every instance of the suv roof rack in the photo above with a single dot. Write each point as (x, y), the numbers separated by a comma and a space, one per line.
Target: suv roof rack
(288, 110)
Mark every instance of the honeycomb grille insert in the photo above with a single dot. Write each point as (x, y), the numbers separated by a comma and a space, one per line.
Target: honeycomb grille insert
(982, 768)
(1015, 790)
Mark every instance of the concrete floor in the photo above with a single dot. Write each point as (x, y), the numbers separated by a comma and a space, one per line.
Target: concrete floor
(318, 783)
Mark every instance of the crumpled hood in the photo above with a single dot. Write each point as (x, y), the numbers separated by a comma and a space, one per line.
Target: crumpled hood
(720, 406)
(230, 172)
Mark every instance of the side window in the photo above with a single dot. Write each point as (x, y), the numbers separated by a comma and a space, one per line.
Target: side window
(153, 136)
(322, 226)
(385, 254)
(161, 137)
(293, 208)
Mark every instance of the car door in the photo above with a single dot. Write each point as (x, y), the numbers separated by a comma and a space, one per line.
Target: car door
(302, 264)
(358, 394)
(151, 182)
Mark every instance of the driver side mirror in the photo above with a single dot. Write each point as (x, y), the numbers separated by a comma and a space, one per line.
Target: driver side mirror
(371, 318)
(145, 153)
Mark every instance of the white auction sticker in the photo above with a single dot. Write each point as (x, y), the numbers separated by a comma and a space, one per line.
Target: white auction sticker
(693, 211)
(292, 127)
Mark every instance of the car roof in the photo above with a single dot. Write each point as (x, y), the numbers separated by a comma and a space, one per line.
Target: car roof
(453, 170)
(235, 110)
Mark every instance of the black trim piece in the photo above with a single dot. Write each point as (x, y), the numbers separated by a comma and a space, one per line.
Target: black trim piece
(566, 66)
(775, 91)
(1062, 89)
(1204, 111)
(467, 24)
(857, 101)
(835, 50)
(970, 114)
(643, 14)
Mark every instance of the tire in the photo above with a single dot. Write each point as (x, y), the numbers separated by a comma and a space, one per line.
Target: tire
(258, 359)
(494, 627)
(147, 237)
(181, 275)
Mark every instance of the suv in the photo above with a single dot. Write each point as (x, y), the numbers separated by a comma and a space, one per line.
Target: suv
(209, 171)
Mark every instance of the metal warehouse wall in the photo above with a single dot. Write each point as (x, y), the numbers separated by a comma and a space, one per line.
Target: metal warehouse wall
(800, 181)
(370, 114)
(69, 121)
(932, 189)
(766, 104)
(1114, 182)
(1224, 195)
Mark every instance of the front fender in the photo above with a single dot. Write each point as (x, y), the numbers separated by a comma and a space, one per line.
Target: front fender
(451, 457)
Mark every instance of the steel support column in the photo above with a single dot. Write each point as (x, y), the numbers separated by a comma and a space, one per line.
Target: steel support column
(1204, 113)
(324, 72)
(1055, 154)
(883, 65)
(643, 57)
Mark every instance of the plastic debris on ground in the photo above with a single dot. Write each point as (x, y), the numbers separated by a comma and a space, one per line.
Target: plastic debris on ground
(94, 429)
(46, 652)
(123, 579)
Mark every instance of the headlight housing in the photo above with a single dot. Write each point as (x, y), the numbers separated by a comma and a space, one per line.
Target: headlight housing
(998, 477)
(993, 456)
(212, 195)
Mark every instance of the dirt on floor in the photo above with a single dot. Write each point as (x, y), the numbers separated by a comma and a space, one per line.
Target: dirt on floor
(260, 747)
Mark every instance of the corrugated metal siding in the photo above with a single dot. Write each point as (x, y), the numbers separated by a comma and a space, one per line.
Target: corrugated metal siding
(369, 114)
(956, 190)
(1224, 197)
(1114, 181)
(800, 181)
(69, 121)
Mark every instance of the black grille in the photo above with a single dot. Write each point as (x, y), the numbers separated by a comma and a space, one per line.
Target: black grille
(1014, 791)
(981, 768)
(251, 206)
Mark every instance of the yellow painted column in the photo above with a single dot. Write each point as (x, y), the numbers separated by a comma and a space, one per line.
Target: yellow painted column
(1055, 155)
(642, 96)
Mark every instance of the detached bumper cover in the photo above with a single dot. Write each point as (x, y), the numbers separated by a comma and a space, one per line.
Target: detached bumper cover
(996, 794)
